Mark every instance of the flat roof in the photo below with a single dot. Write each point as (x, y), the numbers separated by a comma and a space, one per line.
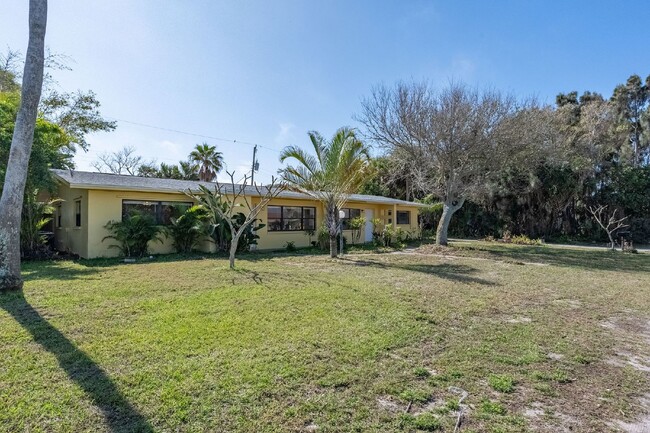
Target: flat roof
(118, 182)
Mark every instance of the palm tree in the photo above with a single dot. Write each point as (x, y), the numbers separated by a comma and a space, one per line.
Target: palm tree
(209, 160)
(337, 170)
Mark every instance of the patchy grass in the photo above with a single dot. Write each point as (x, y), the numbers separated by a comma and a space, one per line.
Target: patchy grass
(305, 343)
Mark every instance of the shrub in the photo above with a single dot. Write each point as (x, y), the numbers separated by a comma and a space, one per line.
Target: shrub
(525, 240)
(219, 229)
(134, 233)
(501, 382)
(323, 238)
(187, 230)
(310, 234)
(355, 224)
(34, 217)
(290, 246)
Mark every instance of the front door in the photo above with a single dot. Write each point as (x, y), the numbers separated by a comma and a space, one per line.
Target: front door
(368, 232)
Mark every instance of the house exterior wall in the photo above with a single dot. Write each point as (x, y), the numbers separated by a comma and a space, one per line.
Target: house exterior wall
(101, 206)
(68, 236)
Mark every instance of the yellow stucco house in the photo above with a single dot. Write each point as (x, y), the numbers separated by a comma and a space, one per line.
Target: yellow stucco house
(90, 200)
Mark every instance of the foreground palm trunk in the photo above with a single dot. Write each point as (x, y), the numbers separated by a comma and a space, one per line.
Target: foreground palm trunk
(13, 191)
(448, 210)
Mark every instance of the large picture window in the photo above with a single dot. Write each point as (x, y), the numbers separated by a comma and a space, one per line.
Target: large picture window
(349, 215)
(403, 217)
(161, 211)
(290, 218)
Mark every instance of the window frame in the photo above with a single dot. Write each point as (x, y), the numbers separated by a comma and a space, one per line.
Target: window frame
(346, 220)
(77, 213)
(158, 207)
(408, 217)
(59, 217)
(281, 219)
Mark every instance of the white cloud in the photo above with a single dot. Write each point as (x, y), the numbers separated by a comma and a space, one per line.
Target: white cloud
(285, 136)
(241, 169)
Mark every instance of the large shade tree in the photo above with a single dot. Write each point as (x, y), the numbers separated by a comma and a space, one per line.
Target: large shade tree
(337, 169)
(209, 160)
(450, 141)
(11, 202)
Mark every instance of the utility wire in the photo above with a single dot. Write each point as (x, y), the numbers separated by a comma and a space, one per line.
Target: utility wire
(209, 137)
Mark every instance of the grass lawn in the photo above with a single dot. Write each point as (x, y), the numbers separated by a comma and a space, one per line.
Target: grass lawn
(540, 338)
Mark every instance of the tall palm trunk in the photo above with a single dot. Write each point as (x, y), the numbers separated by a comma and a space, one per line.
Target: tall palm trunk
(332, 227)
(13, 191)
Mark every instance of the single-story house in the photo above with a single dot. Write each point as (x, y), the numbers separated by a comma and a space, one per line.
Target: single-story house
(90, 200)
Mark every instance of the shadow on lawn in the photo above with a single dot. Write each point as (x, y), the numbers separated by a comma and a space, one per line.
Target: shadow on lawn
(588, 259)
(458, 273)
(55, 271)
(120, 415)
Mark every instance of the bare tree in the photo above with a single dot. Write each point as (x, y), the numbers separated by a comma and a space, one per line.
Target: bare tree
(450, 141)
(608, 222)
(226, 200)
(11, 202)
(123, 161)
(9, 74)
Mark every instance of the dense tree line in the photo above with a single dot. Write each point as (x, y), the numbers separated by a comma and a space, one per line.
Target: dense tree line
(536, 170)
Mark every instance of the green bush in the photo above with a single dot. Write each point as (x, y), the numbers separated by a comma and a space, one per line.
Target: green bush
(290, 246)
(34, 217)
(525, 240)
(187, 230)
(356, 224)
(134, 233)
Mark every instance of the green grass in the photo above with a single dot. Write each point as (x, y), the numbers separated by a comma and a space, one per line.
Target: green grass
(290, 342)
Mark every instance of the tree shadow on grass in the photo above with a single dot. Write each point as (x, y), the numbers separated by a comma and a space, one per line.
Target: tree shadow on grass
(54, 270)
(119, 413)
(453, 272)
(587, 259)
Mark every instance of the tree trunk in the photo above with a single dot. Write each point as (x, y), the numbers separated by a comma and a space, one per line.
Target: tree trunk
(611, 241)
(11, 203)
(233, 247)
(333, 247)
(332, 221)
(448, 209)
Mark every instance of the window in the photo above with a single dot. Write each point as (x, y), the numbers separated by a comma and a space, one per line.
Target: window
(161, 211)
(58, 217)
(290, 218)
(77, 213)
(403, 217)
(349, 215)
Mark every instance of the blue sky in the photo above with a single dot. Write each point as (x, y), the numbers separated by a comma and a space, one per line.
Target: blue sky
(269, 71)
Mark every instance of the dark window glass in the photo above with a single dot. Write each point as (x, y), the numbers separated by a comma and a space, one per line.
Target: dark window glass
(290, 218)
(291, 212)
(403, 217)
(161, 211)
(292, 224)
(77, 213)
(349, 214)
(169, 210)
(58, 217)
(274, 212)
(309, 224)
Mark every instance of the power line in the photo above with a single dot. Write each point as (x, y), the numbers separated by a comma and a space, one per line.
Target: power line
(209, 137)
